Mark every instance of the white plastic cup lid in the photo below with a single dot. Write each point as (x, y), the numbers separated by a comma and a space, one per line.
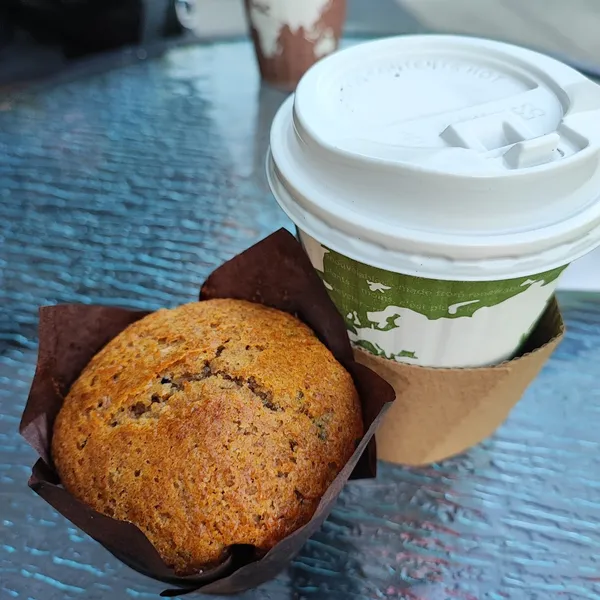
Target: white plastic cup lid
(443, 157)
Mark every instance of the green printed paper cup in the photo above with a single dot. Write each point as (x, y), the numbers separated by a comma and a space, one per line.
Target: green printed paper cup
(440, 185)
(431, 321)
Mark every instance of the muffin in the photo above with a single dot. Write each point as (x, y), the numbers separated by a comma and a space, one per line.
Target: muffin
(215, 423)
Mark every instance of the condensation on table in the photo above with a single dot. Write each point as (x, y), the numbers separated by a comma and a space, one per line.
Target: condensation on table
(128, 188)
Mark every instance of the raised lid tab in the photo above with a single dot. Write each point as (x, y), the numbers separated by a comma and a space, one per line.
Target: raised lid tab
(448, 105)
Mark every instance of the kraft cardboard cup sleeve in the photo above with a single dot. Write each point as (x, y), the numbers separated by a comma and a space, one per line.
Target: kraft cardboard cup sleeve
(274, 272)
(440, 186)
(442, 412)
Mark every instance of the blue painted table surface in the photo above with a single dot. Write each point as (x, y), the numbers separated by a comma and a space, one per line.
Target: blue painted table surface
(127, 187)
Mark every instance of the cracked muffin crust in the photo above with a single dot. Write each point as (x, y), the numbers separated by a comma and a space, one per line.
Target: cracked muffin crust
(215, 423)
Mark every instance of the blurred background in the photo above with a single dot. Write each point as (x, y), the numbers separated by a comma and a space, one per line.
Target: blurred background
(43, 39)
(39, 37)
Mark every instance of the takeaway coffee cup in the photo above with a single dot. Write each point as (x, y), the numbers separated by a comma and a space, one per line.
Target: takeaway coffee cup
(440, 185)
(292, 35)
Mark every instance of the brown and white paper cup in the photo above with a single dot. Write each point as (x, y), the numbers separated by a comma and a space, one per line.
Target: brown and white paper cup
(292, 35)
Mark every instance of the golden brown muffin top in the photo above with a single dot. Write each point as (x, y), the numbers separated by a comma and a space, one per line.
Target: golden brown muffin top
(215, 423)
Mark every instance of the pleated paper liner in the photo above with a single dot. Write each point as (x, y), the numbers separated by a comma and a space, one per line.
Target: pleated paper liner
(439, 413)
(274, 272)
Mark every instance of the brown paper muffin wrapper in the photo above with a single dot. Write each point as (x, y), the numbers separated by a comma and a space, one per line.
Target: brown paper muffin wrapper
(439, 412)
(298, 49)
(274, 272)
